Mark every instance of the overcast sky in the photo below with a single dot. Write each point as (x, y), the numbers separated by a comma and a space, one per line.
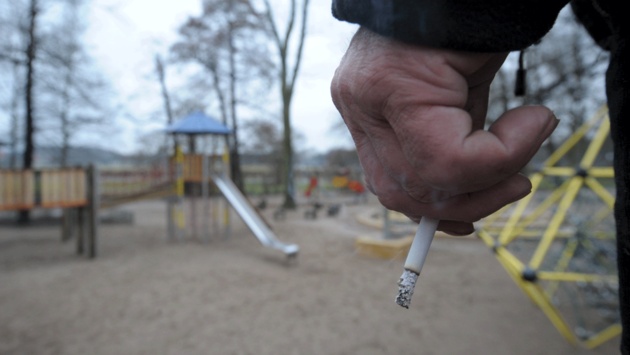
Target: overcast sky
(124, 37)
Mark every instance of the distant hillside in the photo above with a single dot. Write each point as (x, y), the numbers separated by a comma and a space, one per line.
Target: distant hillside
(50, 156)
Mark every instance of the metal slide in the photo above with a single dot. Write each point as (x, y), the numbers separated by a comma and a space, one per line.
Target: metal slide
(251, 217)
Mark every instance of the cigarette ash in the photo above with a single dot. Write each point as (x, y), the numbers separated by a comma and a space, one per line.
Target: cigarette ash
(406, 285)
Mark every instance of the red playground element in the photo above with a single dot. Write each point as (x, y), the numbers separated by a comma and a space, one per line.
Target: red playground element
(312, 185)
(356, 186)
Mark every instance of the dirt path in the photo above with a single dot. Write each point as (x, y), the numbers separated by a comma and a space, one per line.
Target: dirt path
(145, 295)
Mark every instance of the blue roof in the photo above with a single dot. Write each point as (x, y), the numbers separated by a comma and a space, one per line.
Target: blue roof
(197, 123)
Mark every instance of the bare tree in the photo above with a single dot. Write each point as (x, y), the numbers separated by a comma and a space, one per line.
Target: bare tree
(265, 137)
(71, 94)
(343, 157)
(564, 71)
(12, 20)
(59, 93)
(41, 40)
(15, 95)
(265, 142)
(166, 98)
(12, 65)
(288, 77)
(31, 54)
(226, 41)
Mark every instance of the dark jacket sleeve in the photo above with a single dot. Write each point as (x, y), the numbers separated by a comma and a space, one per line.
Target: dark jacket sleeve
(483, 26)
(594, 18)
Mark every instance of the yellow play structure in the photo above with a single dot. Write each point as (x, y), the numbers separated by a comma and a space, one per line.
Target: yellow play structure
(558, 243)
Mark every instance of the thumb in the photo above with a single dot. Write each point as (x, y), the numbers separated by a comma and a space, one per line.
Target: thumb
(523, 130)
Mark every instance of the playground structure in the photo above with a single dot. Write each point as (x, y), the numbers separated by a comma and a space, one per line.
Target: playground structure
(210, 169)
(75, 190)
(558, 243)
(82, 193)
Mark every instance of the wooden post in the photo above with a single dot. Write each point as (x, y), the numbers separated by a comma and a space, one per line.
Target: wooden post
(170, 223)
(170, 200)
(93, 207)
(204, 196)
(65, 225)
(81, 211)
(69, 223)
(179, 191)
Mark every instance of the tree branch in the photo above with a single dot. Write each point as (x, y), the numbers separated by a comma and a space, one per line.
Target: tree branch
(298, 58)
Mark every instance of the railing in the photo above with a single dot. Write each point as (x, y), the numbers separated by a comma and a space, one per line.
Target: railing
(116, 183)
(46, 188)
(72, 189)
(117, 187)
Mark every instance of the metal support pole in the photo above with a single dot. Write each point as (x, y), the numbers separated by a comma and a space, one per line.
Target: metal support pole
(387, 233)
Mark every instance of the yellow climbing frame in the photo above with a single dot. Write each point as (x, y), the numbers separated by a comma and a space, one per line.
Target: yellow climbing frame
(542, 220)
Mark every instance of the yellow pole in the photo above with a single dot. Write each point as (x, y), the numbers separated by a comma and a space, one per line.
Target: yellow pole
(574, 277)
(601, 191)
(596, 145)
(519, 227)
(574, 187)
(558, 171)
(536, 294)
(508, 232)
(562, 265)
(179, 189)
(575, 138)
(603, 336)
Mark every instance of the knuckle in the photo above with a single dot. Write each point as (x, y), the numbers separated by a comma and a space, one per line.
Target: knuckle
(420, 192)
(388, 194)
(341, 94)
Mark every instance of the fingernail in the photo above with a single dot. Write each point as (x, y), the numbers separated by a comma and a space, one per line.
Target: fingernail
(552, 123)
(523, 193)
(524, 187)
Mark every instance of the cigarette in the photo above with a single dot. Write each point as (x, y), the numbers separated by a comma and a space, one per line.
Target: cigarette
(415, 259)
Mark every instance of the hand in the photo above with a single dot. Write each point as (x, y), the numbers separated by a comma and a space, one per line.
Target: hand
(417, 117)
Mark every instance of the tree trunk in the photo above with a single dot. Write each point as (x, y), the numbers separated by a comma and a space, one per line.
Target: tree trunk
(235, 159)
(288, 78)
(289, 190)
(159, 67)
(65, 116)
(16, 97)
(27, 161)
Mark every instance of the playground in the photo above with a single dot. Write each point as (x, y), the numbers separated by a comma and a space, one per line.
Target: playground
(147, 295)
(217, 273)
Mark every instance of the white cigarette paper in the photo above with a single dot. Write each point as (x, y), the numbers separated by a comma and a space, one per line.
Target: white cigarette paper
(415, 260)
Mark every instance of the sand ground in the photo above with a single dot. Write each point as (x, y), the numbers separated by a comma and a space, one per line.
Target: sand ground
(146, 295)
